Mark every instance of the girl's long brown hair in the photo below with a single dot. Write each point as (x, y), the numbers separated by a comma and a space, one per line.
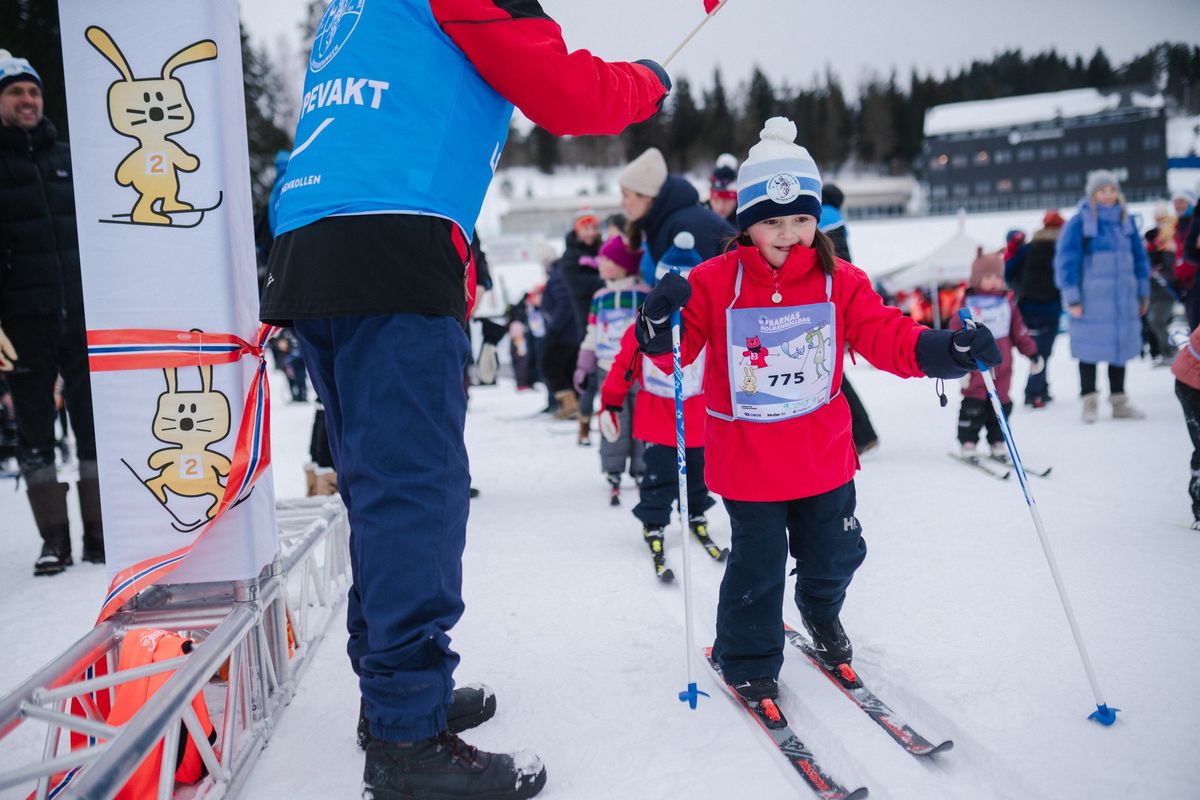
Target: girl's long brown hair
(826, 255)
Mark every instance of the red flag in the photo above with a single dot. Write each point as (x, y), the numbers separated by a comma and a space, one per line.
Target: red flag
(711, 5)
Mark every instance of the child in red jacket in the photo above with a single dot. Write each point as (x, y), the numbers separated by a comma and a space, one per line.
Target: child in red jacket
(993, 307)
(654, 424)
(777, 442)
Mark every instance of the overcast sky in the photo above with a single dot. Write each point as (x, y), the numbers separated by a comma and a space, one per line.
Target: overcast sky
(792, 40)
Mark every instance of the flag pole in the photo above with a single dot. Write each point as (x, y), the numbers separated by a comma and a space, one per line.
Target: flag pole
(695, 30)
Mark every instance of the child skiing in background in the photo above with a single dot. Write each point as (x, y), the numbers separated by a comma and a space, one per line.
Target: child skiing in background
(782, 456)
(1186, 370)
(612, 312)
(654, 424)
(993, 307)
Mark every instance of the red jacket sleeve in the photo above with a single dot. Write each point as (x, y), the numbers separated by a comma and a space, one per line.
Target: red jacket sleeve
(883, 335)
(519, 51)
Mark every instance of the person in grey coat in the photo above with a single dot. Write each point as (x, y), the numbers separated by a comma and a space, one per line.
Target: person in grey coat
(1103, 273)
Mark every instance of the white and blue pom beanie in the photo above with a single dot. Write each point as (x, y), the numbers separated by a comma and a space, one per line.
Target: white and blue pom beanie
(778, 177)
(682, 254)
(13, 69)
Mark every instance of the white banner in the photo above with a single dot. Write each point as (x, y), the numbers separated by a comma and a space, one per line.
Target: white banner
(162, 198)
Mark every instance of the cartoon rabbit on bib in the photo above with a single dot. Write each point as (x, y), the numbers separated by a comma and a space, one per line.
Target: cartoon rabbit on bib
(151, 110)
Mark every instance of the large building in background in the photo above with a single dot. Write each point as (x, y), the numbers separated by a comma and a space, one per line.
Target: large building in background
(1035, 151)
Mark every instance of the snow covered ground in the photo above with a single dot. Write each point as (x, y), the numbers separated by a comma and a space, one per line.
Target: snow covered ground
(954, 617)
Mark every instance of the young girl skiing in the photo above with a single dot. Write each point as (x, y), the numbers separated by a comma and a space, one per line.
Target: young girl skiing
(778, 446)
(612, 312)
(992, 307)
(654, 424)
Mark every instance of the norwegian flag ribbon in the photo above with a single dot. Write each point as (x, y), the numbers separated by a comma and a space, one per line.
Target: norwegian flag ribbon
(162, 349)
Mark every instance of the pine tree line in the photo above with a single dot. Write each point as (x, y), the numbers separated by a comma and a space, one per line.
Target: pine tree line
(881, 131)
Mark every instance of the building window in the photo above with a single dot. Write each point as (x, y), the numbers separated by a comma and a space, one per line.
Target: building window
(1070, 149)
(1002, 157)
(1004, 185)
(1151, 141)
(939, 162)
(1095, 147)
(983, 188)
(1024, 154)
(1049, 181)
(960, 190)
(940, 192)
(1048, 152)
(958, 160)
(1118, 144)
(1152, 171)
(981, 158)
(1027, 184)
(1073, 180)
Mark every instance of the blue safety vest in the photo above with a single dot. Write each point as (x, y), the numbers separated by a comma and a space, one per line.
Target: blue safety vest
(394, 119)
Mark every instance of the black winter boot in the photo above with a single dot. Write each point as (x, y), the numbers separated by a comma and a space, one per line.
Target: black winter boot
(93, 524)
(471, 706)
(446, 768)
(830, 642)
(49, 503)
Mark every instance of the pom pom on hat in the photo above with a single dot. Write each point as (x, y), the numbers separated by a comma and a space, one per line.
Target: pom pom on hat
(645, 174)
(13, 69)
(778, 177)
(681, 254)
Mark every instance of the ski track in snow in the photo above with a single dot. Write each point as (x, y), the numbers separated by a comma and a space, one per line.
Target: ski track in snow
(954, 616)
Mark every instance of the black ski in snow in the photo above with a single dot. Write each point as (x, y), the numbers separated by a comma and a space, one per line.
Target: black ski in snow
(790, 746)
(848, 681)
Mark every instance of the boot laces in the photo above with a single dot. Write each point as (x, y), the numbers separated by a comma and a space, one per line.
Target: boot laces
(458, 749)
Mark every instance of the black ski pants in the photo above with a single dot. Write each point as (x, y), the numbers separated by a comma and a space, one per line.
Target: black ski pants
(824, 537)
(1189, 398)
(660, 485)
(974, 414)
(47, 346)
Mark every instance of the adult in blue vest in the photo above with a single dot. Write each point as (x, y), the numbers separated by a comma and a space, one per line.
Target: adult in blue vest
(1103, 273)
(405, 112)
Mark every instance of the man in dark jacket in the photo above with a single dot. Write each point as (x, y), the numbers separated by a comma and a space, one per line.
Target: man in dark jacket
(578, 266)
(1030, 274)
(41, 313)
(371, 264)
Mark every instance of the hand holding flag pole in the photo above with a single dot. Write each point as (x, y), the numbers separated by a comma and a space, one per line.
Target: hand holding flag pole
(711, 7)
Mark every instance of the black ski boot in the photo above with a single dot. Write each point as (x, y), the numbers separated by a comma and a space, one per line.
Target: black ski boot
(614, 488)
(446, 768)
(48, 500)
(93, 523)
(760, 695)
(830, 642)
(470, 707)
(699, 525)
(654, 540)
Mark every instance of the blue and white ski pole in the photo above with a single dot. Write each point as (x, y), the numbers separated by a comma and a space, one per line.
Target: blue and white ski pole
(1103, 714)
(691, 695)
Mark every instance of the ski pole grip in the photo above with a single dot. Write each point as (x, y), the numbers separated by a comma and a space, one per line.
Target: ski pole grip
(968, 321)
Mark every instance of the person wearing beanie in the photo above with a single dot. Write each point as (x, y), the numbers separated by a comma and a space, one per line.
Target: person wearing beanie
(659, 206)
(613, 309)
(773, 317)
(1030, 273)
(1103, 273)
(992, 307)
(578, 265)
(1187, 254)
(722, 189)
(1160, 249)
(682, 256)
(42, 327)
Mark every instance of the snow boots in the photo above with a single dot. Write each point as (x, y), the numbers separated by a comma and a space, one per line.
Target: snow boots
(1091, 407)
(48, 500)
(653, 537)
(470, 707)
(757, 689)
(830, 642)
(1121, 408)
(585, 430)
(568, 404)
(446, 768)
(93, 523)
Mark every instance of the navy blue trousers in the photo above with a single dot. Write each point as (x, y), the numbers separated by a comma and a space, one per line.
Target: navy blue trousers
(395, 410)
(1043, 327)
(659, 491)
(824, 537)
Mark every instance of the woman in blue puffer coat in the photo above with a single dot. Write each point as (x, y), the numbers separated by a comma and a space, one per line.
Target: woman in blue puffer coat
(1104, 276)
